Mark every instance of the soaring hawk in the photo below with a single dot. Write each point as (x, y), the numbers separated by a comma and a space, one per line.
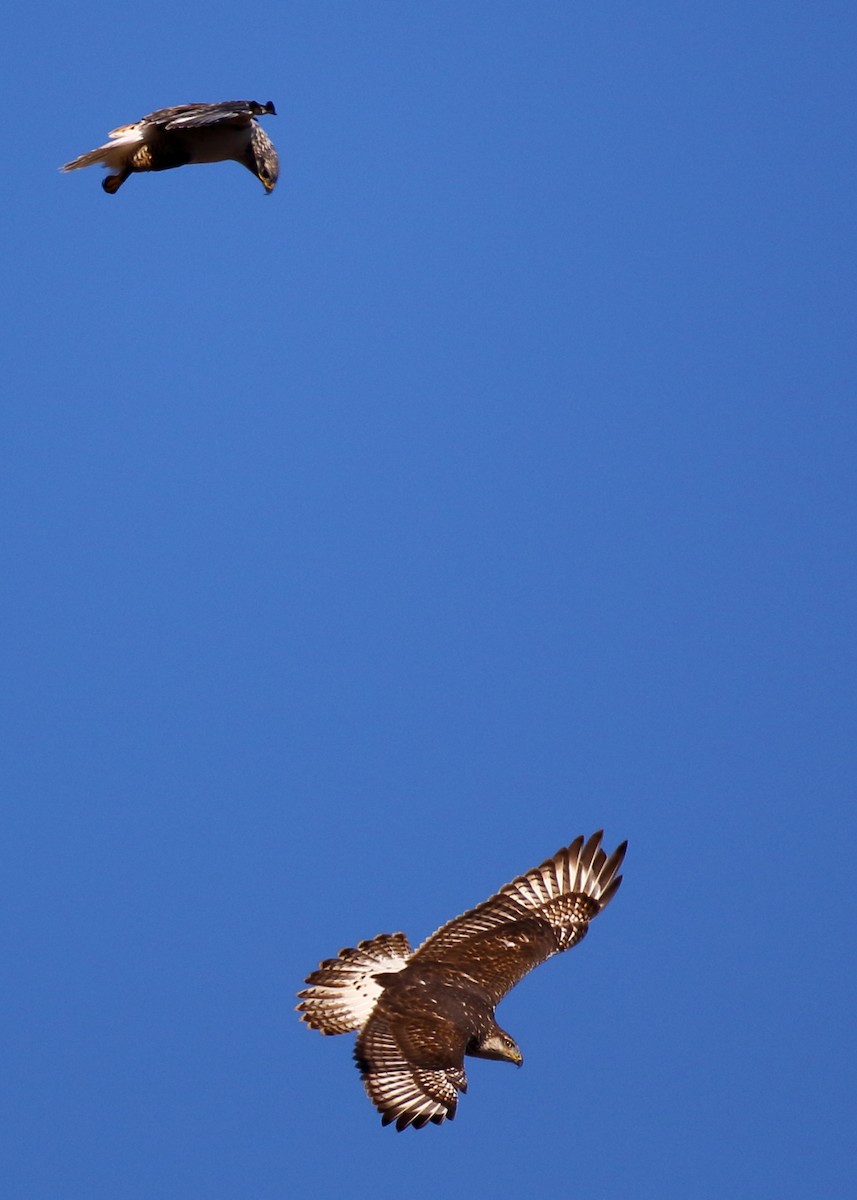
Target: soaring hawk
(419, 1012)
(189, 133)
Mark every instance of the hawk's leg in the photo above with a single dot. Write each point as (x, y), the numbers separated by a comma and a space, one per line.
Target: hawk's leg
(112, 183)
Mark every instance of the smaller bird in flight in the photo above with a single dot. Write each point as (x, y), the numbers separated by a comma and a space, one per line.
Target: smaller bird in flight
(418, 1012)
(185, 134)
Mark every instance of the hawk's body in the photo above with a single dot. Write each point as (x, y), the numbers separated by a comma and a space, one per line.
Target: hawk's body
(188, 133)
(420, 1012)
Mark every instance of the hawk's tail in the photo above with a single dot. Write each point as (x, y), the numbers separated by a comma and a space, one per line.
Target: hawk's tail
(112, 154)
(344, 989)
(87, 160)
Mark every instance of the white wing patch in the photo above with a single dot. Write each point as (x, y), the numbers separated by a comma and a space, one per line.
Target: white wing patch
(344, 989)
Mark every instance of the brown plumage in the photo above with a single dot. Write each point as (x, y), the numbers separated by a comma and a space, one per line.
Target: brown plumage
(419, 1013)
(185, 134)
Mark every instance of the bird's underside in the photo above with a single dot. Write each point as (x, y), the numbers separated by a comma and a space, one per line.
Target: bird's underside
(188, 134)
(418, 1013)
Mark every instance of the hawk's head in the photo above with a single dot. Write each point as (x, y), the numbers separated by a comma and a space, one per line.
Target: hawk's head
(262, 158)
(497, 1044)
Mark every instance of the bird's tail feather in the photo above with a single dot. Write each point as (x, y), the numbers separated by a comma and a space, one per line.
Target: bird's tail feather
(113, 153)
(88, 160)
(344, 989)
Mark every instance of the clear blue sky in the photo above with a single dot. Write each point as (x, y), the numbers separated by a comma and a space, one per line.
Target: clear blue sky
(491, 482)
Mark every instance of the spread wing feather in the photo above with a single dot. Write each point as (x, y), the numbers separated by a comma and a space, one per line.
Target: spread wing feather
(538, 914)
(404, 1091)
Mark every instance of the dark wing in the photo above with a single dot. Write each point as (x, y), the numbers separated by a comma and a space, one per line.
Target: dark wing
(414, 1076)
(194, 116)
(536, 915)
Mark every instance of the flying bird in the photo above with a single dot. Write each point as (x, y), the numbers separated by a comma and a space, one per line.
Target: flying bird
(188, 133)
(419, 1012)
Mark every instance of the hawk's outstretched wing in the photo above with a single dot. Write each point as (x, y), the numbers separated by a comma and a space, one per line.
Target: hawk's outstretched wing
(536, 915)
(407, 1073)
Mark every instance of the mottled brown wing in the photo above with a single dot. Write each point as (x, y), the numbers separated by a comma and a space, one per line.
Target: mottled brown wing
(545, 911)
(413, 1076)
(498, 959)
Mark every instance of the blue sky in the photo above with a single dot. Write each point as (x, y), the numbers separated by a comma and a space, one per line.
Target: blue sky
(490, 483)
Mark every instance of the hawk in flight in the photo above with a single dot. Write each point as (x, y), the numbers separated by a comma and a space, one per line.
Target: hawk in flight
(189, 133)
(420, 1011)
